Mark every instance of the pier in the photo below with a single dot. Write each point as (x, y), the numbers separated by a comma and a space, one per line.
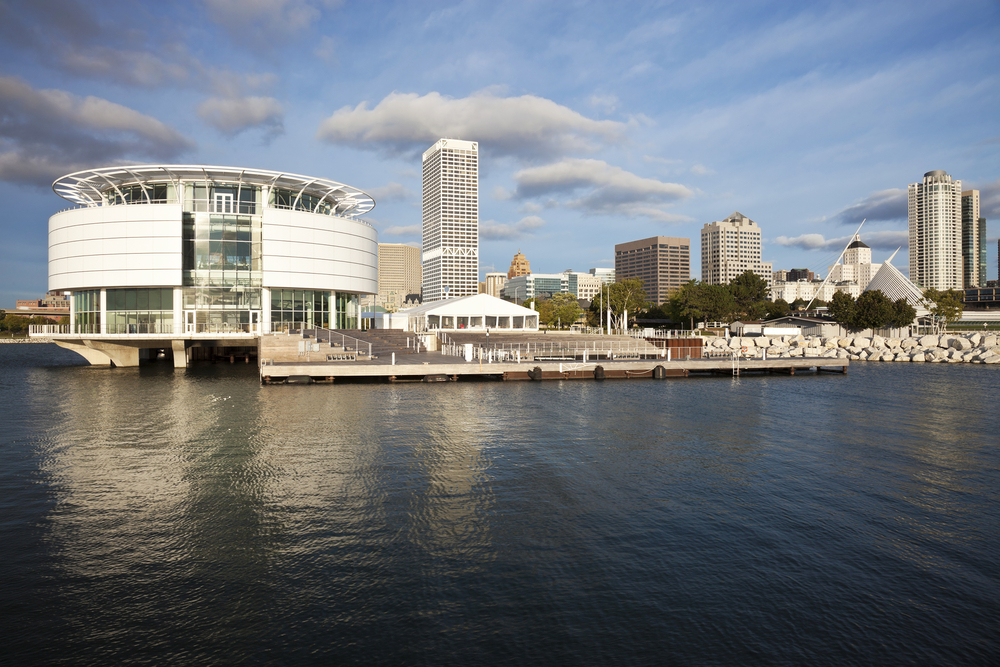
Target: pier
(322, 356)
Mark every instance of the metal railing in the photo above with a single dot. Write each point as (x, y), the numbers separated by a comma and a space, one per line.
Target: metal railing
(337, 338)
(554, 350)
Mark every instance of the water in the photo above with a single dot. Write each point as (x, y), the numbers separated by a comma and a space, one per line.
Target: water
(153, 516)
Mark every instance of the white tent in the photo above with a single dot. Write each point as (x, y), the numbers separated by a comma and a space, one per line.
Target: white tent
(473, 313)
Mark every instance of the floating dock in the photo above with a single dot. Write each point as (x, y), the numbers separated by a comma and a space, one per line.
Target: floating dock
(303, 359)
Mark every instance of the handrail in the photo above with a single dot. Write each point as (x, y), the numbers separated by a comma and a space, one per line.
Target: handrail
(330, 334)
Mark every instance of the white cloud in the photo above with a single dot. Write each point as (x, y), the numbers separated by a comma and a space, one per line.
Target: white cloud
(233, 115)
(498, 231)
(701, 170)
(391, 192)
(526, 127)
(604, 189)
(48, 133)
(883, 240)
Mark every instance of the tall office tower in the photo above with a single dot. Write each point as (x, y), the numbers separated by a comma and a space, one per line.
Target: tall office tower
(973, 241)
(451, 220)
(519, 266)
(731, 247)
(935, 215)
(662, 262)
(398, 274)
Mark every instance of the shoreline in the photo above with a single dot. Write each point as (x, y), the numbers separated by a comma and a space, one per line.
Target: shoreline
(949, 348)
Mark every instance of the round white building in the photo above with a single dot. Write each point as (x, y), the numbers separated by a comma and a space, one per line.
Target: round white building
(191, 252)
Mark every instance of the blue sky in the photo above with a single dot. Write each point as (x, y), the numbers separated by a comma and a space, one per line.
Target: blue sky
(598, 122)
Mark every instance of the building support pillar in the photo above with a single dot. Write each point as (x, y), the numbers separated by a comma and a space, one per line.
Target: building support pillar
(122, 356)
(180, 353)
(93, 357)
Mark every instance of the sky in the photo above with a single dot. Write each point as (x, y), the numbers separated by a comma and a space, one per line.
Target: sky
(598, 122)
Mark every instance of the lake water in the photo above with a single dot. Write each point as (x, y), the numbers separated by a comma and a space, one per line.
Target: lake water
(153, 516)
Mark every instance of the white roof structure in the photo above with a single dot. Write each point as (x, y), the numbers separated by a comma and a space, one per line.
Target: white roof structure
(477, 312)
(91, 186)
(891, 282)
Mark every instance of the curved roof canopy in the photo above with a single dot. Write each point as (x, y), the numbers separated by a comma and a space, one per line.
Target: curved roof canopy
(87, 187)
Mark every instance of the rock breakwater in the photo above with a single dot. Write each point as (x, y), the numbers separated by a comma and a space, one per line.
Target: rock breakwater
(972, 348)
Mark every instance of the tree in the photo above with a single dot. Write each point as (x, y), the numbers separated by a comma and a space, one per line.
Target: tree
(565, 309)
(749, 290)
(544, 308)
(946, 307)
(842, 308)
(685, 303)
(777, 309)
(903, 314)
(716, 303)
(624, 296)
(872, 310)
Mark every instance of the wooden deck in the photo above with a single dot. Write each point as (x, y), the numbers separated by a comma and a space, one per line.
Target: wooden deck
(284, 360)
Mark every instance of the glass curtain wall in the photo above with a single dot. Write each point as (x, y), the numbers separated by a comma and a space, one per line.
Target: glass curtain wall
(87, 312)
(292, 310)
(140, 311)
(222, 257)
(348, 311)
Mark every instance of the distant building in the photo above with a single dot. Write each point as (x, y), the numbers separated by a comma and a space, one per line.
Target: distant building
(663, 263)
(801, 274)
(583, 285)
(606, 276)
(399, 274)
(519, 266)
(935, 231)
(973, 241)
(730, 248)
(531, 285)
(493, 285)
(857, 266)
(450, 232)
(779, 276)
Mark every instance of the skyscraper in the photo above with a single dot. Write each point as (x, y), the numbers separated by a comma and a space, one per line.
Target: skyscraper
(973, 241)
(519, 266)
(398, 274)
(662, 262)
(935, 217)
(731, 247)
(450, 220)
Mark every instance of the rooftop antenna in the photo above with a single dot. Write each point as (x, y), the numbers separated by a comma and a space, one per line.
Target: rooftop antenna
(830, 273)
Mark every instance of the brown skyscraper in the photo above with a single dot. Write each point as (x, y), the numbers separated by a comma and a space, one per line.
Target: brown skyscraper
(518, 266)
(662, 262)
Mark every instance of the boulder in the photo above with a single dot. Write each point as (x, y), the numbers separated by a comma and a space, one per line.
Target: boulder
(989, 341)
(929, 341)
(888, 356)
(763, 341)
(845, 342)
(919, 356)
(995, 359)
(892, 343)
(975, 339)
(878, 341)
(908, 343)
(959, 343)
(861, 341)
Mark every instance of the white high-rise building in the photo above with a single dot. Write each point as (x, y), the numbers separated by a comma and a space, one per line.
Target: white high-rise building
(935, 215)
(450, 220)
(857, 266)
(730, 248)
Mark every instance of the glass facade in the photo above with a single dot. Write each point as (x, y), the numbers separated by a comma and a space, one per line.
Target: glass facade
(292, 310)
(144, 311)
(87, 311)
